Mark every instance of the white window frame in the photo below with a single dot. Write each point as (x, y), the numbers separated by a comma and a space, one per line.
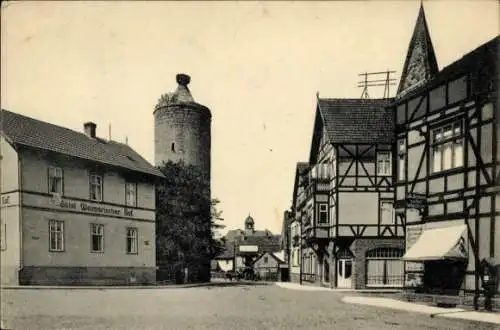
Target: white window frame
(132, 240)
(96, 182)
(389, 209)
(55, 180)
(56, 235)
(384, 163)
(321, 211)
(401, 160)
(97, 230)
(447, 140)
(131, 194)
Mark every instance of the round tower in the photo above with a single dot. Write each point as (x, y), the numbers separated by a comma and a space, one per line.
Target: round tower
(182, 128)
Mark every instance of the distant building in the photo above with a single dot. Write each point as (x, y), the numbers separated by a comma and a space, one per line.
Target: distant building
(267, 266)
(243, 247)
(75, 209)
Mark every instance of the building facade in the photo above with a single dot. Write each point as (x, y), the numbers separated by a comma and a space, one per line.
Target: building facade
(447, 165)
(75, 209)
(349, 235)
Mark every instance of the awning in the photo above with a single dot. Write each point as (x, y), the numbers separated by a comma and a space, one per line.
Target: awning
(439, 244)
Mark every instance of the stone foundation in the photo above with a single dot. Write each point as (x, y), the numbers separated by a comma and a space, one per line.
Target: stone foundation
(295, 278)
(87, 275)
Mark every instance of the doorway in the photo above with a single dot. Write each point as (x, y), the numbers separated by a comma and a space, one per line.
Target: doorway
(344, 273)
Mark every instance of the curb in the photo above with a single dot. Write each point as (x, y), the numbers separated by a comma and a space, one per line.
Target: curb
(302, 287)
(431, 311)
(131, 287)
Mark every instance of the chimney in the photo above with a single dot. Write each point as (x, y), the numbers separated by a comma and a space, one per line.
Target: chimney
(89, 129)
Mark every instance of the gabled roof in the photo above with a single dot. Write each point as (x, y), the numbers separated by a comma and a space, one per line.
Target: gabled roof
(481, 64)
(272, 255)
(300, 168)
(420, 64)
(354, 121)
(269, 243)
(23, 131)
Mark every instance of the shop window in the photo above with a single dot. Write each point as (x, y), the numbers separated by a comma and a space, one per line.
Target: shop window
(384, 267)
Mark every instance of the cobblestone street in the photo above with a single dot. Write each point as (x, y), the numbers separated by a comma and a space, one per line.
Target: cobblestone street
(215, 307)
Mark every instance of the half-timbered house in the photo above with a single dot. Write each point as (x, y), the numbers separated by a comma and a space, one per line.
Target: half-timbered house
(295, 218)
(349, 233)
(447, 165)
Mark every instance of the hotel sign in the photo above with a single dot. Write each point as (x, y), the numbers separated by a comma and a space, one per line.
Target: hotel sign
(86, 207)
(249, 248)
(92, 208)
(416, 201)
(10, 199)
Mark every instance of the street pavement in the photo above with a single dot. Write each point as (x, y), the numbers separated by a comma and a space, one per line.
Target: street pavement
(219, 307)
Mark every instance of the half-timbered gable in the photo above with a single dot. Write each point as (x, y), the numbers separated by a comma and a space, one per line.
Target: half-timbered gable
(351, 196)
(420, 65)
(447, 163)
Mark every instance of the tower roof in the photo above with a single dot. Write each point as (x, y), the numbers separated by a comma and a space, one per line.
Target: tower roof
(249, 220)
(420, 64)
(182, 95)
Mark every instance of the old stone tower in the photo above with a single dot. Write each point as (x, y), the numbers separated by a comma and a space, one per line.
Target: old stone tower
(182, 128)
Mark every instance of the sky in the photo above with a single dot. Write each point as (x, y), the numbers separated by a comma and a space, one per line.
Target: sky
(256, 65)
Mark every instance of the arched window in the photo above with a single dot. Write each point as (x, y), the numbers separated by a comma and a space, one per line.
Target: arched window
(384, 267)
(385, 253)
(173, 147)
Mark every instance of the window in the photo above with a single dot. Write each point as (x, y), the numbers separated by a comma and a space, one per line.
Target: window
(97, 237)
(96, 187)
(132, 240)
(401, 160)
(130, 194)
(172, 147)
(384, 163)
(266, 259)
(447, 147)
(384, 267)
(387, 216)
(322, 213)
(56, 236)
(55, 180)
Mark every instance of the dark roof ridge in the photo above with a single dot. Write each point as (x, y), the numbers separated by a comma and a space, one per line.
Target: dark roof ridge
(34, 133)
